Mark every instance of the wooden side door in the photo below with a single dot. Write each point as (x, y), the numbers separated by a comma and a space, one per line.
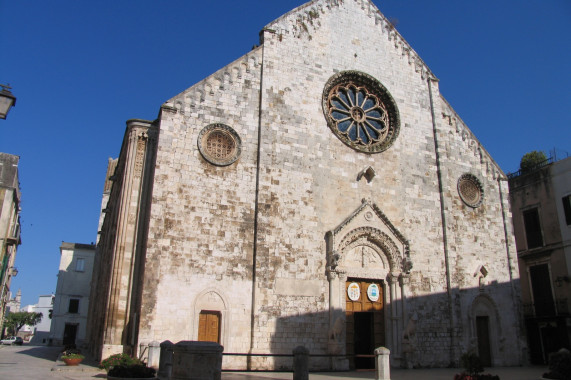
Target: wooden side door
(209, 326)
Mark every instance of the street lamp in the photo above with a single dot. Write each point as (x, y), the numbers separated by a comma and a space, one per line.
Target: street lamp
(7, 100)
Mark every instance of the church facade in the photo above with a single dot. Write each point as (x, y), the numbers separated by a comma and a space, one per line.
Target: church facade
(320, 192)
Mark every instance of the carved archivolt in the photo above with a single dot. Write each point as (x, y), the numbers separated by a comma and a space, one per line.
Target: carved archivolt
(370, 241)
(374, 246)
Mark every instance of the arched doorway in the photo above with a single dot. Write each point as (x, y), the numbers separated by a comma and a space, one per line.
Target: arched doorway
(210, 323)
(485, 329)
(368, 265)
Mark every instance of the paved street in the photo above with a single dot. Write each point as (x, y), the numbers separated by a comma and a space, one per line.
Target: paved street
(39, 362)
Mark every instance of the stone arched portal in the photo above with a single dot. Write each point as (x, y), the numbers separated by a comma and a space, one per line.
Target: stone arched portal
(485, 331)
(368, 249)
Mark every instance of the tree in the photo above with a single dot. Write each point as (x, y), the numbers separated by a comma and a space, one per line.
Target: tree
(15, 321)
(531, 159)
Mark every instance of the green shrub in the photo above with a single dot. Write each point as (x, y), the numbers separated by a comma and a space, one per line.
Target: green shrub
(471, 362)
(118, 360)
(73, 356)
(531, 159)
(72, 353)
(474, 368)
(559, 365)
(132, 371)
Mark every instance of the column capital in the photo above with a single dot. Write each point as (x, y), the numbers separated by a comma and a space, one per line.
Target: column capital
(393, 278)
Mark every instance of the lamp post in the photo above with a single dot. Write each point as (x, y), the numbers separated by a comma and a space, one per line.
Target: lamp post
(7, 100)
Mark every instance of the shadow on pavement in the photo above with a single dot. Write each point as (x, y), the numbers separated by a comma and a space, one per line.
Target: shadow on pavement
(41, 352)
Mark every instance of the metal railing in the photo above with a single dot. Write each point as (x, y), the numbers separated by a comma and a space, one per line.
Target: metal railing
(546, 309)
(538, 166)
(289, 368)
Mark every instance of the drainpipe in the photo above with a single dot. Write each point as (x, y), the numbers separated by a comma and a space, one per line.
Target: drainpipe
(256, 212)
(451, 318)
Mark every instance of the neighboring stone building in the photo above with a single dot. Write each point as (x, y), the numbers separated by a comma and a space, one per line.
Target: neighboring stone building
(318, 191)
(541, 207)
(9, 224)
(69, 320)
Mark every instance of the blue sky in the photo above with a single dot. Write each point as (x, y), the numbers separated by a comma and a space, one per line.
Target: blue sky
(80, 69)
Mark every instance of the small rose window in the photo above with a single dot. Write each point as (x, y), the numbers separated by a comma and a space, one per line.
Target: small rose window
(219, 144)
(470, 190)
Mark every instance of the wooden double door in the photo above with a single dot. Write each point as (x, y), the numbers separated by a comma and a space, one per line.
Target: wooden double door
(365, 321)
(209, 326)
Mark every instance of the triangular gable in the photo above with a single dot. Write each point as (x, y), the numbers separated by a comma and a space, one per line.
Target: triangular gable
(302, 21)
(368, 219)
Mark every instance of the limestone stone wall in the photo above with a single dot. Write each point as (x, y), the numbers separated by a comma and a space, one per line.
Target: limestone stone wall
(201, 233)
(311, 183)
(268, 240)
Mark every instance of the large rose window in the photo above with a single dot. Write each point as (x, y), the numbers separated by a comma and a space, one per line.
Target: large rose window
(361, 112)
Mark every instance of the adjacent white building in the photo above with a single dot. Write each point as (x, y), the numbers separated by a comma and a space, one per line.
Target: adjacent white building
(72, 294)
(42, 329)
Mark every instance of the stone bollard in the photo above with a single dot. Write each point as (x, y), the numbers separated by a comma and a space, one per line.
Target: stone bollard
(383, 363)
(154, 354)
(165, 361)
(196, 361)
(300, 363)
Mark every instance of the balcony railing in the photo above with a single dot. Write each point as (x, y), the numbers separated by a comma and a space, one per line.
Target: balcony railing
(546, 309)
(539, 165)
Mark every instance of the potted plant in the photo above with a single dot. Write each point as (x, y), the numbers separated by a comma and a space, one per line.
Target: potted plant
(559, 365)
(72, 356)
(116, 360)
(122, 366)
(474, 369)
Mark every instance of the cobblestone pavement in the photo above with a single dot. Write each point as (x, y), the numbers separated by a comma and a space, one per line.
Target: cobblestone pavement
(39, 362)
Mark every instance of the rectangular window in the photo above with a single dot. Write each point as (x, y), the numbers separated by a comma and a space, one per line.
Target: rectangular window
(541, 290)
(532, 228)
(80, 265)
(73, 306)
(567, 209)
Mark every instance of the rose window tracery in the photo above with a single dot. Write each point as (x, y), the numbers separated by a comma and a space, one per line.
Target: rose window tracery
(361, 112)
(470, 190)
(359, 115)
(219, 144)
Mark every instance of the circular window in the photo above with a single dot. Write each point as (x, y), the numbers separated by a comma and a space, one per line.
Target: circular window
(470, 190)
(219, 144)
(361, 112)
